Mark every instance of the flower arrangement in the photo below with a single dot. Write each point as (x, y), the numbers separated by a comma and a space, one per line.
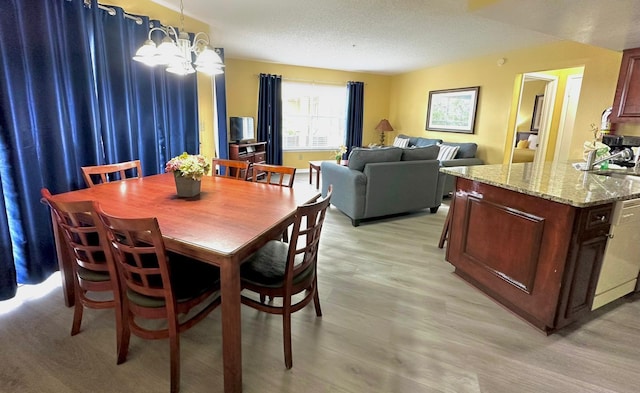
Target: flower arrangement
(340, 152)
(595, 144)
(189, 165)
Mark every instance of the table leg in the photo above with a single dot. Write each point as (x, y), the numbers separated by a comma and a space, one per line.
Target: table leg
(310, 173)
(317, 178)
(231, 327)
(444, 236)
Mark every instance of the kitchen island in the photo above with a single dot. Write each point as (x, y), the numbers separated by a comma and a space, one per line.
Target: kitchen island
(533, 236)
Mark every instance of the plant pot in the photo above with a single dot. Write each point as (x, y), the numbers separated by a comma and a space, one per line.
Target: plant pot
(186, 187)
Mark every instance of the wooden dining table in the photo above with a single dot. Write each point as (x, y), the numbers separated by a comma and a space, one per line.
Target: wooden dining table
(226, 223)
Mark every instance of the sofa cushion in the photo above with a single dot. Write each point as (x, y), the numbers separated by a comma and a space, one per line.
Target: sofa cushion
(466, 150)
(420, 153)
(447, 152)
(421, 142)
(360, 157)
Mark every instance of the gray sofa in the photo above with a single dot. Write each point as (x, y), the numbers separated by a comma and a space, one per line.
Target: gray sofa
(465, 156)
(385, 181)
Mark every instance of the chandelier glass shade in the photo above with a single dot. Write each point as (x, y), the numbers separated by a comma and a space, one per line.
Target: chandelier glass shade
(176, 51)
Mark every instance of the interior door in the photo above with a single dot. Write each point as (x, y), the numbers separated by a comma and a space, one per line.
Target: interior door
(568, 117)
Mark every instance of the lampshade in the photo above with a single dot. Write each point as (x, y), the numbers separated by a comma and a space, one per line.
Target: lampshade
(384, 126)
(176, 51)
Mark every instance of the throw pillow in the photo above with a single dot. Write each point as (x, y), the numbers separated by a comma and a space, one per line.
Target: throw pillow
(523, 144)
(401, 142)
(533, 141)
(447, 152)
(420, 153)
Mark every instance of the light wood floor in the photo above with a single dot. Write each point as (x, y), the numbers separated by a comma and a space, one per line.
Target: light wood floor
(396, 319)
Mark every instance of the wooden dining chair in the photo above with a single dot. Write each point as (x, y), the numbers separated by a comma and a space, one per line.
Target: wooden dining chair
(234, 169)
(282, 270)
(93, 267)
(279, 175)
(98, 174)
(158, 285)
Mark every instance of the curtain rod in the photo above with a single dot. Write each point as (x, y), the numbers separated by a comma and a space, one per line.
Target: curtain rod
(311, 81)
(111, 11)
(314, 81)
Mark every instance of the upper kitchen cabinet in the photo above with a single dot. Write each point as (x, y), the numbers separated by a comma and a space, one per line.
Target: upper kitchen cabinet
(626, 104)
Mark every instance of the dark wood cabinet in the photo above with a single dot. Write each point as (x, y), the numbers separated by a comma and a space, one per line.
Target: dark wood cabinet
(586, 253)
(626, 103)
(539, 258)
(255, 153)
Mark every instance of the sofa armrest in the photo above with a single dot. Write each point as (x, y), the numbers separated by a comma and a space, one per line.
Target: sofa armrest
(348, 188)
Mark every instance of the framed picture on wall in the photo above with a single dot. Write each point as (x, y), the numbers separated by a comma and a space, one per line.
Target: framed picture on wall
(453, 110)
(537, 112)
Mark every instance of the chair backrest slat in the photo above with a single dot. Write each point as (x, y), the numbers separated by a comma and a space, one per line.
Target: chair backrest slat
(139, 254)
(111, 172)
(305, 237)
(86, 240)
(279, 175)
(234, 169)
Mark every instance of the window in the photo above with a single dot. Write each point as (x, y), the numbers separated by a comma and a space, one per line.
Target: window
(313, 116)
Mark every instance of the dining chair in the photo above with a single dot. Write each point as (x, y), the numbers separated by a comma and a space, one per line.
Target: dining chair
(279, 175)
(111, 172)
(282, 270)
(156, 284)
(234, 169)
(93, 267)
(276, 175)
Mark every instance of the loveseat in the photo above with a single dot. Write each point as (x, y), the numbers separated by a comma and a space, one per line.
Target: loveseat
(385, 181)
(465, 156)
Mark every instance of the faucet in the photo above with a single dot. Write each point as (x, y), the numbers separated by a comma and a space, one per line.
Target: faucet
(624, 155)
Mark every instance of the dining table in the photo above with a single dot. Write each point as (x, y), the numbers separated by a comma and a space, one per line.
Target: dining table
(228, 221)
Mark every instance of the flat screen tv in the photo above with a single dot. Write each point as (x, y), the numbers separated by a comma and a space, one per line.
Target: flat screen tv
(241, 129)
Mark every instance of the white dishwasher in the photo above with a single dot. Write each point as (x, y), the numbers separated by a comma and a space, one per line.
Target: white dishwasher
(621, 263)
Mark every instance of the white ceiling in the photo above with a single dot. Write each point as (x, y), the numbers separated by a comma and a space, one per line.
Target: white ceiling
(395, 36)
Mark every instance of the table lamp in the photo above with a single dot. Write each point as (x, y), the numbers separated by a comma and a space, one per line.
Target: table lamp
(383, 127)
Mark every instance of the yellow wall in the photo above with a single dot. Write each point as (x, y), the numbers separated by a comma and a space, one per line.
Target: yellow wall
(403, 98)
(409, 92)
(205, 85)
(242, 97)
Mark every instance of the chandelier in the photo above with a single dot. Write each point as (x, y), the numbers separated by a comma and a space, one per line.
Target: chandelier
(176, 51)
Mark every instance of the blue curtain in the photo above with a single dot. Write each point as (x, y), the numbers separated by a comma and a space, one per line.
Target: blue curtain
(221, 109)
(355, 113)
(270, 116)
(70, 95)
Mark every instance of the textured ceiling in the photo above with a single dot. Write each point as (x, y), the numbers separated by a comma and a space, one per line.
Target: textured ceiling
(395, 36)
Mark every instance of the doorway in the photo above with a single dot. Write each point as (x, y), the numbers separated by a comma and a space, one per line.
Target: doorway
(545, 104)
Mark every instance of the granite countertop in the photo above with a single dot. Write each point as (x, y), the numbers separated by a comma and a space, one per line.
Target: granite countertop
(559, 182)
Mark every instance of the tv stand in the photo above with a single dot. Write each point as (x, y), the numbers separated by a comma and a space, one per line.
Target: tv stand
(254, 152)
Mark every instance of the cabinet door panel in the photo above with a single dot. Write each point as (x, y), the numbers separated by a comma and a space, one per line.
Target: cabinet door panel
(512, 246)
(626, 104)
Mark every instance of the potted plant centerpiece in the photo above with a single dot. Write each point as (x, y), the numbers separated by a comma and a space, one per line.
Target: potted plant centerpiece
(188, 170)
(338, 154)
